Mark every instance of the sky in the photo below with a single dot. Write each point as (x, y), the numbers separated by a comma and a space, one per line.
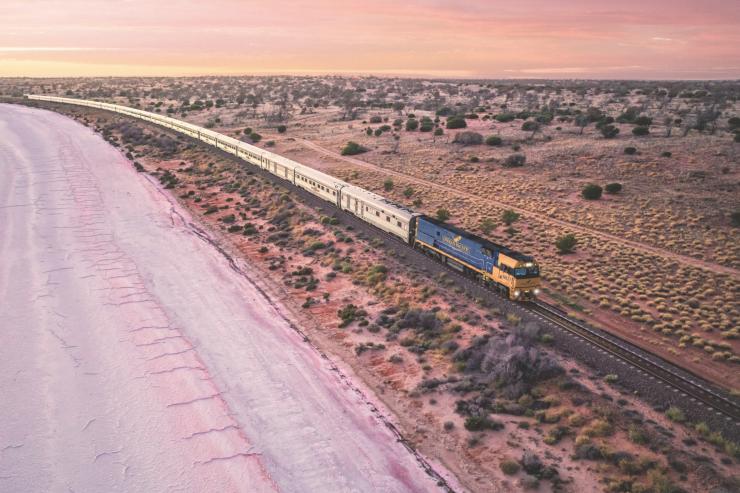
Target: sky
(573, 39)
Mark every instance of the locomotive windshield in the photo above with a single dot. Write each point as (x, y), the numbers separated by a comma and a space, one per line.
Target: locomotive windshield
(523, 272)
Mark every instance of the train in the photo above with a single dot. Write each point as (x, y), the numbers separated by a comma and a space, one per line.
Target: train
(513, 274)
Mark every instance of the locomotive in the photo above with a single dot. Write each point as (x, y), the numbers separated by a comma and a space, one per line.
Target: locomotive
(514, 274)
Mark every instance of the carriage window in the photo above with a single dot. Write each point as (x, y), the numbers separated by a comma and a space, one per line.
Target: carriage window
(387, 218)
(399, 223)
(377, 213)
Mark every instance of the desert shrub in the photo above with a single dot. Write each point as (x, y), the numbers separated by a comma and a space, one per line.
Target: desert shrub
(493, 140)
(480, 423)
(735, 218)
(515, 161)
(509, 217)
(566, 243)
(282, 129)
(412, 124)
(408, 192)
(643, 121)
(368, 131)
(443, 214)
(630, 150)
(530, 126)
(636, 435)
(438, 131)
(468, 138)
(612, 188)
(448, 426)
(456, 122)
(487, 225)
(427, 125)
(388, 185)
(675, 414)
(609, 131)
(591, 192)
(666, 154)
(376, 119)
(353, 148)
(444, 111)
(378, 132)
(640, 131)
(509, 467)
(505, 117)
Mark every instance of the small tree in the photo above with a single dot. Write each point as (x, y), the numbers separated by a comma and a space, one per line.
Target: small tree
(443, 214)
(493, 140)
(487, 225)
(515, 161)
(531, 126)
(566, 243)
(591, 192)
(582, 121)
(388, 185)
(609, 131)
(612, 188)
(509, 217)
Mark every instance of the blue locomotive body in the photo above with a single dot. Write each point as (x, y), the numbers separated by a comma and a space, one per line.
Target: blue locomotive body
(475, 253)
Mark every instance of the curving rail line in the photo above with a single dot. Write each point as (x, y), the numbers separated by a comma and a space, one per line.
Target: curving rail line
(648, 363)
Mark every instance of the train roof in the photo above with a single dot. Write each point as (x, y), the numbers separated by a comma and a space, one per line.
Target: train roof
(484, 242)
(379, 200)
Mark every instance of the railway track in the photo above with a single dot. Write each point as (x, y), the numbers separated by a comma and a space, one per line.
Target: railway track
(690, 386)
(682, 383)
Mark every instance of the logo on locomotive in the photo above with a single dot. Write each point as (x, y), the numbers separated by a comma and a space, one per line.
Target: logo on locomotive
(456, 243)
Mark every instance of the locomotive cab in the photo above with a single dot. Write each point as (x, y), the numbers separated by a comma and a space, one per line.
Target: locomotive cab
(519, 274)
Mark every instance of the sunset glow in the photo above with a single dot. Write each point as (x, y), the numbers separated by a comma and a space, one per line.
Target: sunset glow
(524, 39)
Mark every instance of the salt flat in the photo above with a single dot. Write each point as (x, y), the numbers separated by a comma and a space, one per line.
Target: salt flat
(133, 357)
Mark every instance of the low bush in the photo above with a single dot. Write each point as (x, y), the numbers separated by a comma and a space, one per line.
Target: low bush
(456, 122)
(509, 467)
(566, 243)
(353, 148)
(675, 414)
(591, 192)
(515, 161)
(494, 140)
(613, 188)
(478, 423)
(468, 138)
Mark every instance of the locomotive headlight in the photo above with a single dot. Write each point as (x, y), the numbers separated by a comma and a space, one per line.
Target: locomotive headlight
(517, 293)
(536, 291)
